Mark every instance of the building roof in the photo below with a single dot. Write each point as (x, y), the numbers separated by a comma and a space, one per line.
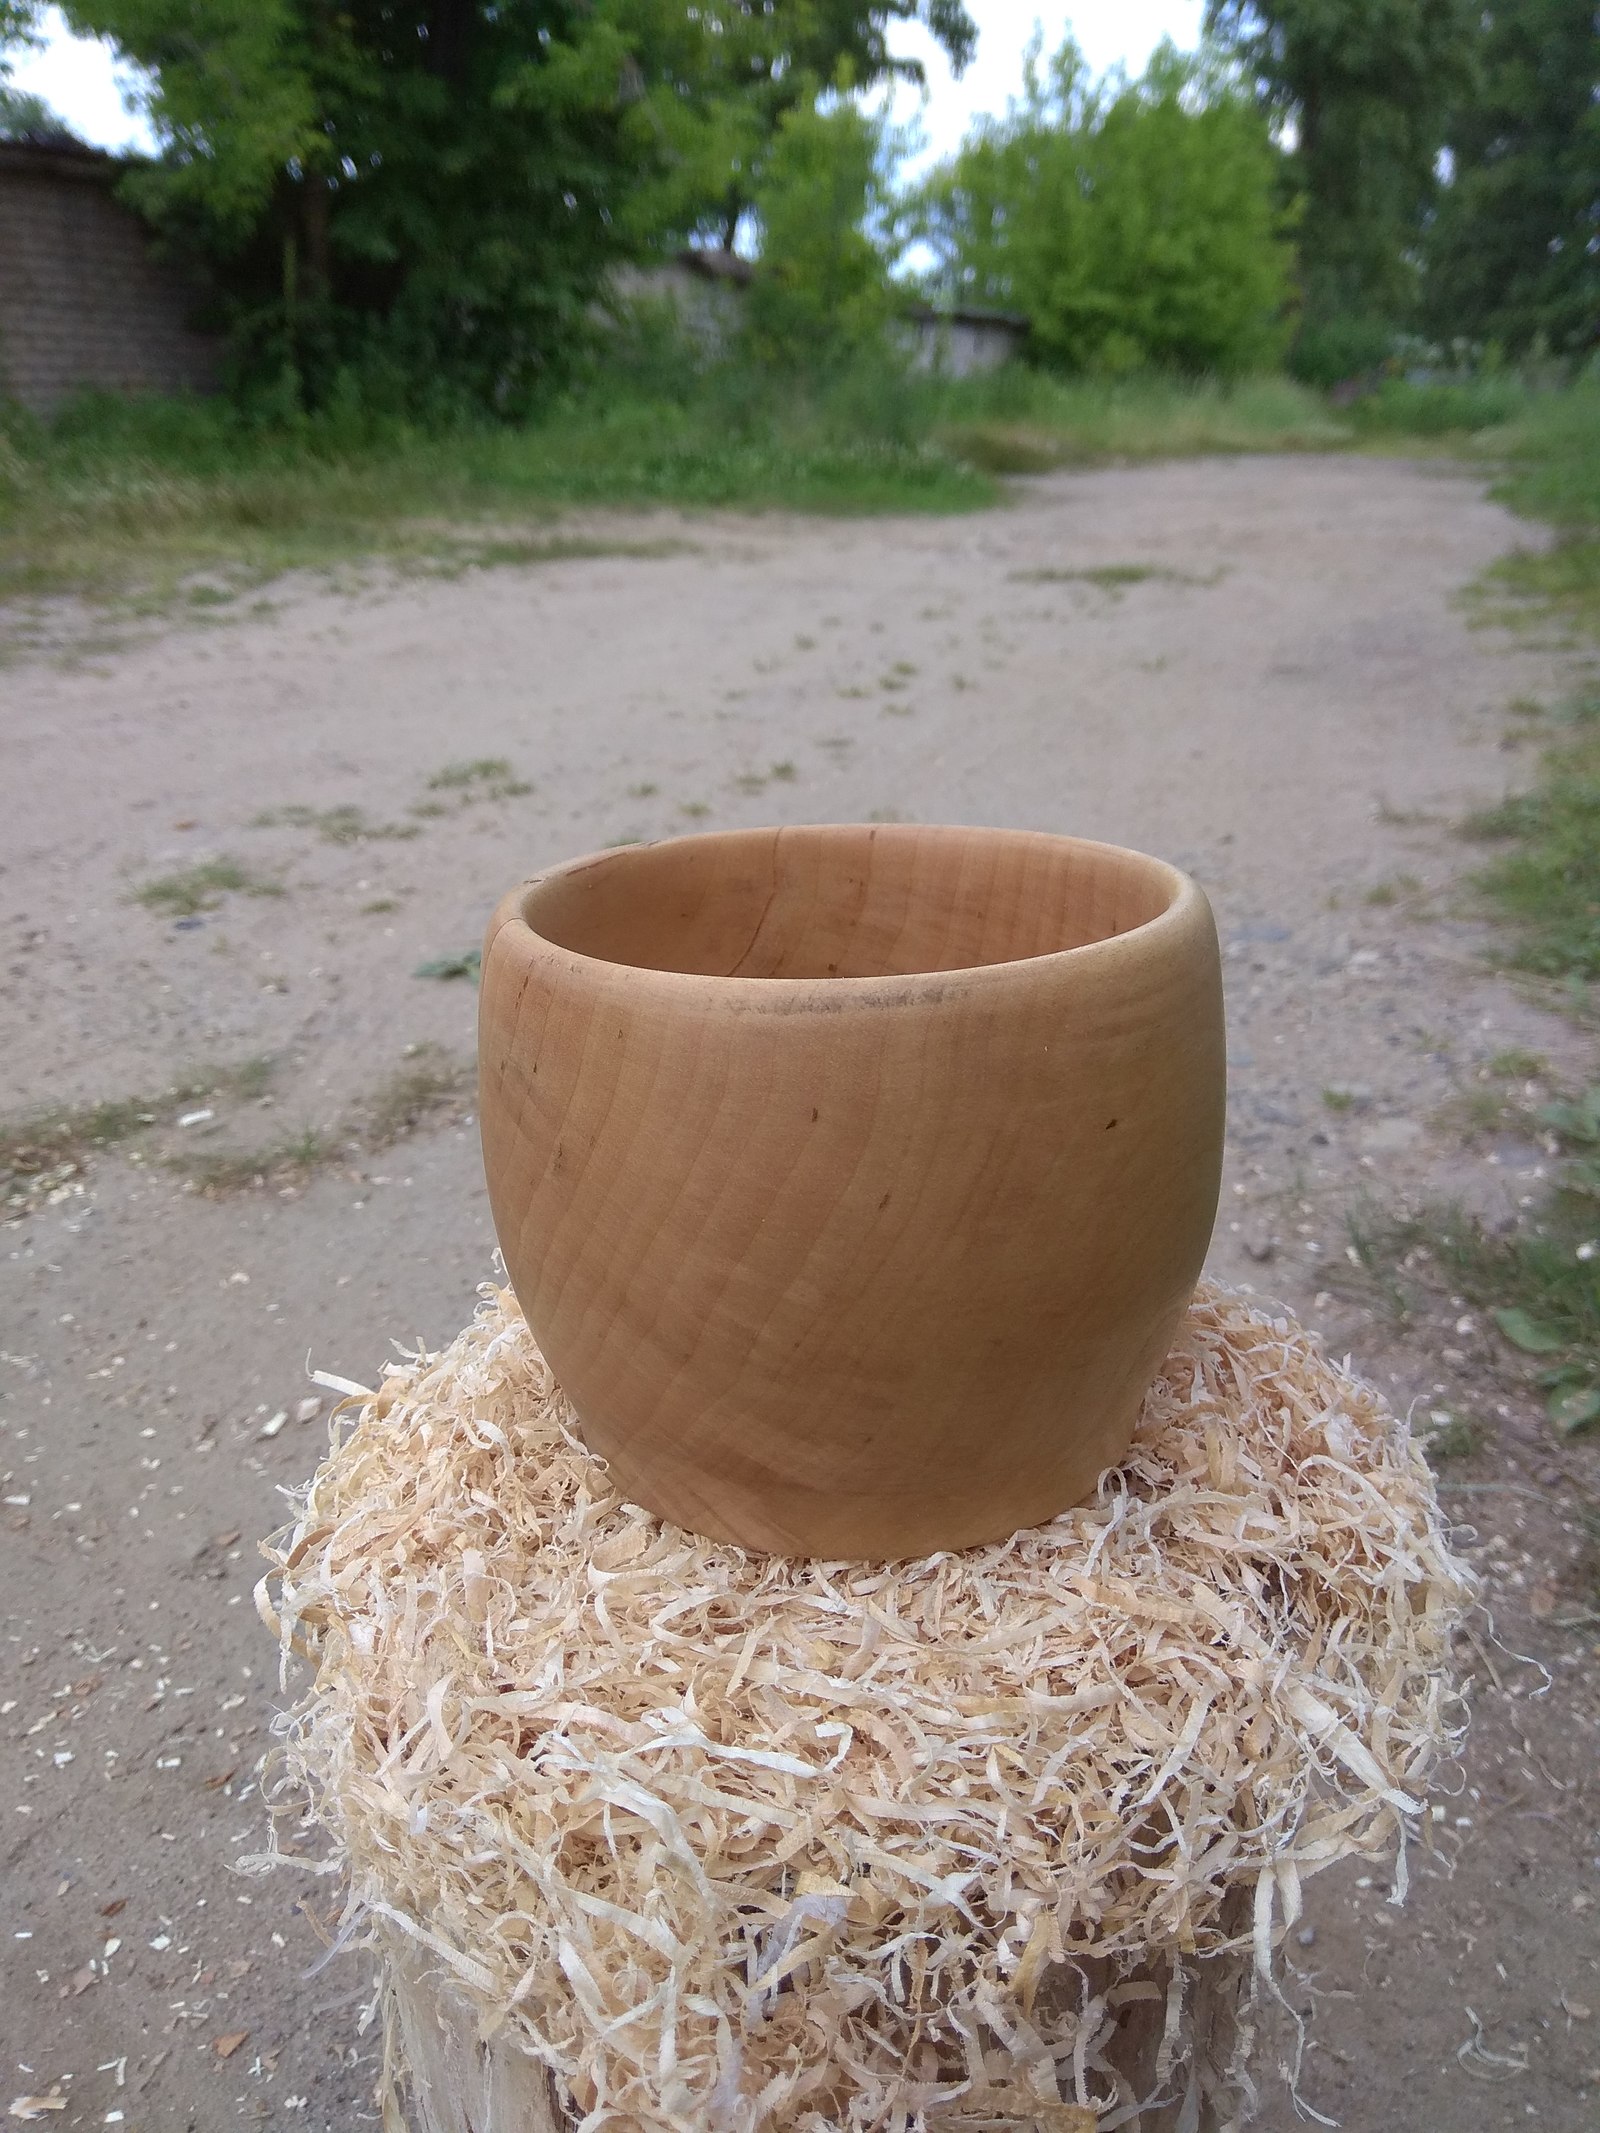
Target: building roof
(716, 263)
(61, 155)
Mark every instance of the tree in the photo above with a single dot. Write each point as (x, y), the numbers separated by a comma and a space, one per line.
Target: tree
(817, 42)
(1514, 252)
(427, 193)
(821, 283)
(25, 117)
(1132, 222)
(1361, 88)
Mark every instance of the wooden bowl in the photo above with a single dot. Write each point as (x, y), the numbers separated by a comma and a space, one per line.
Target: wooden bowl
(854, 1179)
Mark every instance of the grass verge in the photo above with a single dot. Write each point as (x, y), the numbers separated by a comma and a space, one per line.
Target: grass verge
(1544, 877)
(149, 499)
(1540, 1286)
(1540, 1282)
(1020, 421)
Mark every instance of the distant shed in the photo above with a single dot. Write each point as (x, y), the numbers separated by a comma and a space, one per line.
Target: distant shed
(84, 301)
(707, 284)
(963, 341)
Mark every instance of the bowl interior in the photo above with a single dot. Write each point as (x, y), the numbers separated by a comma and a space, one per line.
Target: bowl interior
(847, 901)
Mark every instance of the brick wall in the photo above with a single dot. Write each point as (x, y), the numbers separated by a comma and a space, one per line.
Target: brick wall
(83, 300)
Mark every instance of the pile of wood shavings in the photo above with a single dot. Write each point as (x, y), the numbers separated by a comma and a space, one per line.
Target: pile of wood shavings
(730, 1840)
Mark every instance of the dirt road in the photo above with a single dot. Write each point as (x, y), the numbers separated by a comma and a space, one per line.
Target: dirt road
(1260, 669)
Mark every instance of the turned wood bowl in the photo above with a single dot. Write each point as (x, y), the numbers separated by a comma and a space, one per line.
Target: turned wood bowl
(854, 1179)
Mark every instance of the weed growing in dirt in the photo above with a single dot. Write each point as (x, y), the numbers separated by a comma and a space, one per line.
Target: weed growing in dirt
(413, 1095)
(202, 888)
(43, 1153)
(1546, 878)
(1382, 894)
(1451, 1436)
(1514, 1064)
(334, 825)
(1540, 1285)
(218, 1172)
(487, 777)
(464, 965)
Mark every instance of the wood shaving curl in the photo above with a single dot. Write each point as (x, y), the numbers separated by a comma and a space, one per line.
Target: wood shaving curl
(732, 1841)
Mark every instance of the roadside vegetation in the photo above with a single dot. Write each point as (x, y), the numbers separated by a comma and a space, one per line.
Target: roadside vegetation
(1540, 880)
(117, 498)
(46, 1157)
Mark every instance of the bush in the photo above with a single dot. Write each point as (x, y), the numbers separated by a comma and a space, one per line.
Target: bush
(1135, 224)
(1420, 408)
(1333, 350)
(820, 292)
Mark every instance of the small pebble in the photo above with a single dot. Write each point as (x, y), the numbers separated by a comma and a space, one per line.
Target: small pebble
(1307, 1936)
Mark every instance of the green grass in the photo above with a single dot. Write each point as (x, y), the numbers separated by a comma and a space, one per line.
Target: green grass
(486, 777)
(218, 1172)
(413, 1095)
(1515, 1064)
(334, 825)
(1540, 1283)
(128, 498)
(1401, 409)
(1020, 421)
(47, 1148)
(1544, 878)
(1542, 1297)
(137, 500)
(201, 888)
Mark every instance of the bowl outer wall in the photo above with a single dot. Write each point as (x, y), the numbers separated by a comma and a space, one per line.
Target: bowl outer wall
(856, 1268)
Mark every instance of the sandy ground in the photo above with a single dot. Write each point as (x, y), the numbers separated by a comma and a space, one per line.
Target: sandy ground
(1278, 687)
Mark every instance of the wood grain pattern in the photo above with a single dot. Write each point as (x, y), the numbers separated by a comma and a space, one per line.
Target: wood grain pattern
(854, 1179)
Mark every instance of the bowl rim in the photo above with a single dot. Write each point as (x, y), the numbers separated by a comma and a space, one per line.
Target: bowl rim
(1188, 904)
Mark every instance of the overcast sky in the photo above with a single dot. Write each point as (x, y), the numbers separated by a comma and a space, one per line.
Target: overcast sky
(78, 78)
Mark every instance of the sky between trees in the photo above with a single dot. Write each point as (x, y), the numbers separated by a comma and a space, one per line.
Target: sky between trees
(76, 76)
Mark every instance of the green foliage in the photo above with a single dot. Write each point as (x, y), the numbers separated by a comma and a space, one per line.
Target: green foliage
(821, 283)
(201, 888)
(123, 498)
(128, 498)
(1134, 224)
(1539, 1285)
(23, 115)
(1548, 880)
(1551, 453)
(410, 204)
(1510, 253)
(1025, 421)
(1326, 351)
(1401, 407)
(1362, 87)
